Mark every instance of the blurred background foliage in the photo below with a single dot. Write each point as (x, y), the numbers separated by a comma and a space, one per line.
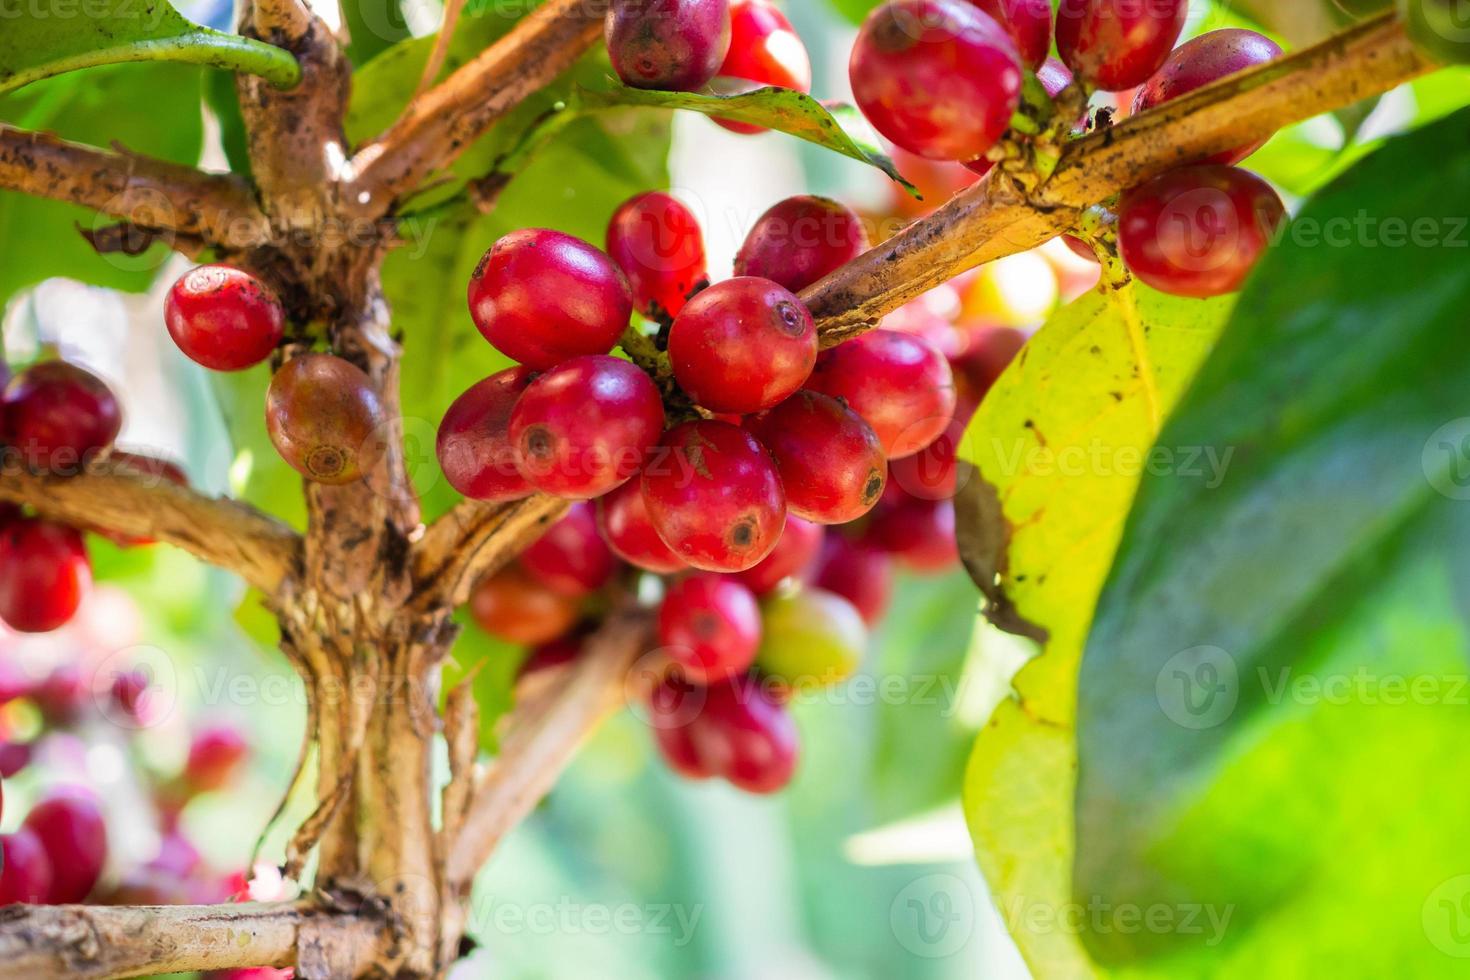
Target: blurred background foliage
(864, 868)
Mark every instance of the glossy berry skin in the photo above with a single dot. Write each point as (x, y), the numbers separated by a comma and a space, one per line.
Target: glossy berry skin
(932, 473)
(741, 732)
(714, 496)
(26, 874)
(473, 445)
(858, 572)
(69, 825)
(801, 239)
(571, 557)
(541, 297)
(1198, 231)
(623, 520)
(658, 244)
(56, 415)
(798, 546)
(515, 607)
(324, 418)
(215, 756)
(670, 45)
(742, 345)
(940, 78)
(223, 318)
(710, 627)
(1054, 77)
(1205, 59)
(919, 534)
(1028, 22)
(900, 384)
(44, 574)
(811, 639)
(1117, 44)
(831, 464)
(764, 50)
(585, 426)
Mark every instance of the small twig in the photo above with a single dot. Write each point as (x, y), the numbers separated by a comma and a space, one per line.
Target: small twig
(432, 67)
(473, 540)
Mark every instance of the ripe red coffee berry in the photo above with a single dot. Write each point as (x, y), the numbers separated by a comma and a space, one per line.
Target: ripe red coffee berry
(515, 607)
(62, 696)
(585, 426)
(551, 655)
(1208, 58)
(799, 544)
(1117, 44)
(742, 345)
(900, 384)
(541, 297)
(750, 734)
(571, 556)
(764, 50)
(938, 77)
(674, 707)
(57, 415)
(1028, 22)
(858, 572)
(215, 756)
(801, 239)
(324, 418)
(69, 825)
(1054, 77)
(1198, 231)
(623, 520)
(223, 318)
(932, 473)
(657, 243)
(25, 869)
(714, 495)
(473, 445)
(831, 465)
(44, 574)
(671, 45)
(710, 626)
(920, 534)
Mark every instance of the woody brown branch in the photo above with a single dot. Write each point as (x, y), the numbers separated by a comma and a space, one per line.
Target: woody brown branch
(475, 539)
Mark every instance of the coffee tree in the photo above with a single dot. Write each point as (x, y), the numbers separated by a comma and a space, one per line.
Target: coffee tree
(689, 493)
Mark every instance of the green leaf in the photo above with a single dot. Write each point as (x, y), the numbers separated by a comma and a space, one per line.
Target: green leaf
(38, 43)
(836, 126)
(1274, 688)
(1058, 447)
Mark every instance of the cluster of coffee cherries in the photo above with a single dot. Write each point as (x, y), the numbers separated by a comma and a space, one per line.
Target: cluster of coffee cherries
(720, 460)
(59, 419)
(942, 79)
(60, 852)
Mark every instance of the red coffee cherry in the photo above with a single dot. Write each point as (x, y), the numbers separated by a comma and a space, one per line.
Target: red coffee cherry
(674, 707)
(623, 519)
(62, 696)
(672, 45)
(585, 426)
(919, 534)
(751, 733)
(69, 825)
(794, 552)
(516, 608)
(57, 415)
(551, 655)
(571, 557)
(223, 318)
(25, 869)
(801, 239)
(1028, 22)
(932, 473)
(831, 464)
(1195, 64)
(474, 447)
(714, 495)
(858, 572)
(324, 418)
(900, 384)
(742, 345)
(989, 351)
(657, 243)
(940, 78)
(710, 626)
(541, 297)
(1198, 231)
(215, 757)
(44, 574)
(1117, 44)
(1054, 77)
(764, 50)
